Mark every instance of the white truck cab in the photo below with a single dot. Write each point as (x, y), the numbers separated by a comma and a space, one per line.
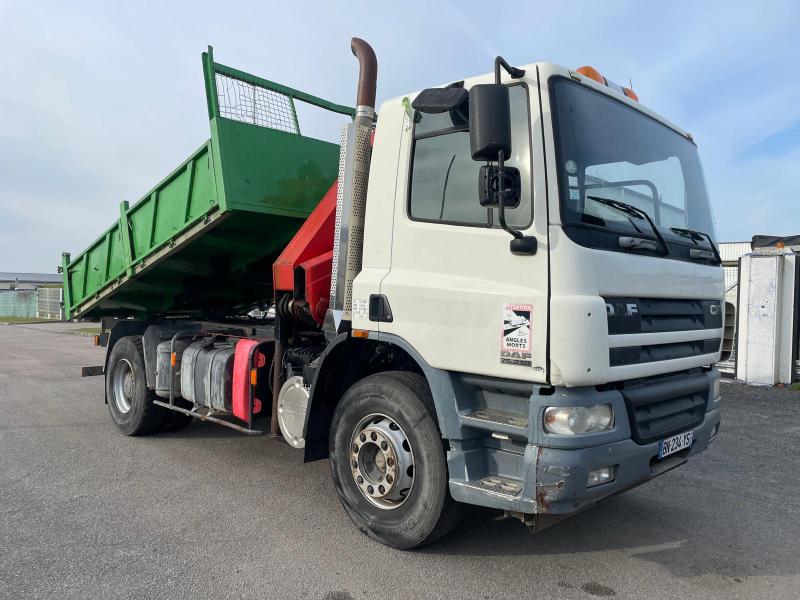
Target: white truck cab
(579, 369)
(442, 260)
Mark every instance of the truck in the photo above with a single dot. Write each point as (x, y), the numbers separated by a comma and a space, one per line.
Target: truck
(501, 291)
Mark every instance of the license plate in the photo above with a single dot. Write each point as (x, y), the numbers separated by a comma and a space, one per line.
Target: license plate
(674, 444)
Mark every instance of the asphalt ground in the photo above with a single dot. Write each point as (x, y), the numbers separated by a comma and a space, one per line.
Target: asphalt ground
(209, 513)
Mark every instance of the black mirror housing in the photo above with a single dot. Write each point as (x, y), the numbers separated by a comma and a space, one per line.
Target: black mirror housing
(489, 121)
(492, 185)
(526, 245)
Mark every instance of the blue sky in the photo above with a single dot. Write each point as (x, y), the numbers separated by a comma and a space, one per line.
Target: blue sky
(100, 100)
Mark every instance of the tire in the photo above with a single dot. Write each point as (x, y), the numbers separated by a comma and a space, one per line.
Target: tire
(129, 401)
(393, 408)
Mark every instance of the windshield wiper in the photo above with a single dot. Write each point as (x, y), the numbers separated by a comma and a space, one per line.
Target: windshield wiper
(633, 211)
(699, 235)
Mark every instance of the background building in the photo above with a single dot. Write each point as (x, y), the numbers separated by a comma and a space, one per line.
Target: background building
(27, 281)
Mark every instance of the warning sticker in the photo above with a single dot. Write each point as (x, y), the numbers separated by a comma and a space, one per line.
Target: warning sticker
(515, 345)
(360, 308)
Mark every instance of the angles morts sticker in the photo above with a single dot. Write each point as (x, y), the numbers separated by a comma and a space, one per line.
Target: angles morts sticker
(515, 341)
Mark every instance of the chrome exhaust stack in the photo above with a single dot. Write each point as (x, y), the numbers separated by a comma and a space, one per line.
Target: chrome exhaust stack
(351, 200)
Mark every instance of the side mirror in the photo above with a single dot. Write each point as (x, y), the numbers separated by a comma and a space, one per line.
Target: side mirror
(489, 122)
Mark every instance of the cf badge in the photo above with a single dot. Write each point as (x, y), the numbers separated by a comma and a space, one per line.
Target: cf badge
(627, 310)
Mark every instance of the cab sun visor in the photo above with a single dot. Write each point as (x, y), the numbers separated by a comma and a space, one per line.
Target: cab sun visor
(439, 100)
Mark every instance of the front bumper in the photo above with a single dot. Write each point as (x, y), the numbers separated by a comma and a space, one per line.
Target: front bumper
(515, 466)
(553, 480)
(561, 475)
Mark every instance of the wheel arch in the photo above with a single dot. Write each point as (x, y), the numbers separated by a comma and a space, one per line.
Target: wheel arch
(347, 360)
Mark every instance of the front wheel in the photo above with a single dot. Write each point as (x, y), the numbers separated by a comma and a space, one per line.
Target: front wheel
(388, 461)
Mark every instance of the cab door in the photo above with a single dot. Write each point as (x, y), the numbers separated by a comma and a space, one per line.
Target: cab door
(457, 293)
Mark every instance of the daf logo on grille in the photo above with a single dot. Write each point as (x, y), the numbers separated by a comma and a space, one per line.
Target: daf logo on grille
(627, 310)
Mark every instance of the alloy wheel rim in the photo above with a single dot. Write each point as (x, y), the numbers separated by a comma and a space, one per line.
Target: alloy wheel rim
(124, 386)
(382, 461)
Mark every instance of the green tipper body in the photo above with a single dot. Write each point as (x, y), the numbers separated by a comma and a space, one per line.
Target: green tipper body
(204, 239)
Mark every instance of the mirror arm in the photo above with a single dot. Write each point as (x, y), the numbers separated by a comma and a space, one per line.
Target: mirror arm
(513, 71)
(521, 244)
(501, 198)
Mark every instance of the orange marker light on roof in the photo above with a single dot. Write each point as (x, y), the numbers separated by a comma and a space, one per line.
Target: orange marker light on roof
(630, 94)
(591, 73)
(595, 75)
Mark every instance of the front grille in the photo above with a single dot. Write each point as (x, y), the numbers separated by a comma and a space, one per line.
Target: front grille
(634, 355)
(657, 315)
(667, 406)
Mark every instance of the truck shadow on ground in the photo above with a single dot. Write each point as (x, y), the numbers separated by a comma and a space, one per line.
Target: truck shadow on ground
(683, 540)
(673, 521)
(199, 430)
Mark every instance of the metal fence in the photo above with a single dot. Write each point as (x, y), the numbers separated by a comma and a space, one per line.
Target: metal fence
(18, 303)
(49, 303)
(248, 102)
(39, 303)
(731, 252)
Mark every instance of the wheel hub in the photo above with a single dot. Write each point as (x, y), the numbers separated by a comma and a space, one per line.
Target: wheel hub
(124, 386)
(382, 461)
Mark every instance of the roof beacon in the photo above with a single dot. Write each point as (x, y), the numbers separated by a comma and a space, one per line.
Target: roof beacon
(594, 74)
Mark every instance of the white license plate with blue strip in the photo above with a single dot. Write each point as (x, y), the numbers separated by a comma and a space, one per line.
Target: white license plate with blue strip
(674, 444)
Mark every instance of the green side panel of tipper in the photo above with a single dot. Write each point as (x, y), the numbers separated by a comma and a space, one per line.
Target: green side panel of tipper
(187, 195)
(248, 155)
(183, 202)
(204, 238)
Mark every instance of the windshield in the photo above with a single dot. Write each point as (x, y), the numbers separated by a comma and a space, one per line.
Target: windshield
(608, 151)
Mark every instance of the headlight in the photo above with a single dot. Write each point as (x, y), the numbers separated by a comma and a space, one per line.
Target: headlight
(572, 420)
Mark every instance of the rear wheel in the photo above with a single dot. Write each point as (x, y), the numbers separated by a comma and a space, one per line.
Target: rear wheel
(388, 461)
(129, 401)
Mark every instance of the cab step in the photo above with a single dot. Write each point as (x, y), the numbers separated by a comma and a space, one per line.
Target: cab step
(498, 421)
(498, 485)
(493, 491)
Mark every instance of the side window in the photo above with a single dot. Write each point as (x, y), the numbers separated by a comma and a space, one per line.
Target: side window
(444, 178)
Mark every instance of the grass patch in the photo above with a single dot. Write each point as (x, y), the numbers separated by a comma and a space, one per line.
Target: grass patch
(91, 330)
(13, 320)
